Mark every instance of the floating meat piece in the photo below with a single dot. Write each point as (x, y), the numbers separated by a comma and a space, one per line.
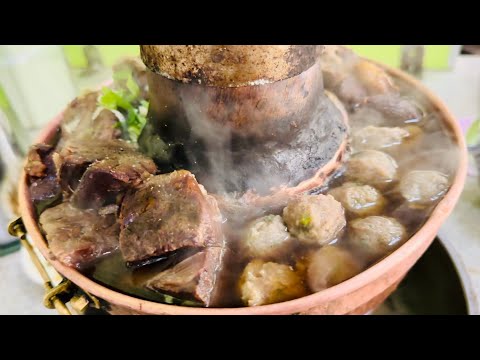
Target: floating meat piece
(79, 237)
(314, 219)
(195, 276)
(106, 180)
(41, 169)
(168, 212)
(376, 138)
(376, 236)
(396, 107)
(330, 266)
(371, 167)
(264, 283)
(359, 200)
(423, 186)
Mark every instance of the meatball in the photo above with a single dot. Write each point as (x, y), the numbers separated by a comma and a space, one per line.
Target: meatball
(374, 78)
(373, 137)
(359, 200)
(266, 238)
(264, 283)
(365, 116)
(423, 187)
(351, 90)
(330, 266)
(375, 236)
(314, 219)
(371, 167)
(337, 63)
(396, 107)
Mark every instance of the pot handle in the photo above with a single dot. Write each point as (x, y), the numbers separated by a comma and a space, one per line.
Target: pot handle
(56, 297)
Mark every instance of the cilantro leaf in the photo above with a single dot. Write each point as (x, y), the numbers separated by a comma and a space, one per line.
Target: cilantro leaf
(126, 100)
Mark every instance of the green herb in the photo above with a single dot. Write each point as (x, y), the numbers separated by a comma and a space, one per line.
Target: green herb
(305, 221)
(126, 100)
(473, 133)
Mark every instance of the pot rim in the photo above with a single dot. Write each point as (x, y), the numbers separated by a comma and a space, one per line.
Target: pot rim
(414, 244)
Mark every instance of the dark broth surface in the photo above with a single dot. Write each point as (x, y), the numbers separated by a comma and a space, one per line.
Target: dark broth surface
(433, 149)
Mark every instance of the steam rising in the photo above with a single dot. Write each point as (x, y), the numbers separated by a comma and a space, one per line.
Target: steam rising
(228, 162)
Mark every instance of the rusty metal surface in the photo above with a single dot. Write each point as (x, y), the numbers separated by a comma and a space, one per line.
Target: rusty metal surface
(229, 65)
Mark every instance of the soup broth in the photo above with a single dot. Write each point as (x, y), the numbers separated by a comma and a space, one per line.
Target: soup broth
(429, 146)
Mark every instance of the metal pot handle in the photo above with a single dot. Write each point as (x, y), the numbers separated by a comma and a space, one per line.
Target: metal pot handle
(56, 297)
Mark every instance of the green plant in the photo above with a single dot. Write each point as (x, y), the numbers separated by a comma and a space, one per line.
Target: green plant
(124, 99)
(473, 133)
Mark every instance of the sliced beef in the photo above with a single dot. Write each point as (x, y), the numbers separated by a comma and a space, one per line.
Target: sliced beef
(79, 237)
(195, 276)
(41, 170)
(168, 212)
(107, 180)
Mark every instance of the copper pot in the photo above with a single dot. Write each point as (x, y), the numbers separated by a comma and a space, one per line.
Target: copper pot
(358, 295)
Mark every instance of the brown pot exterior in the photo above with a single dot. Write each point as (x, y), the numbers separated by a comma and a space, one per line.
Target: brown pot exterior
(357, 295)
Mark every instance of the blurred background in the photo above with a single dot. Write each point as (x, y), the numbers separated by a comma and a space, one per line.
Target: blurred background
(38, 81)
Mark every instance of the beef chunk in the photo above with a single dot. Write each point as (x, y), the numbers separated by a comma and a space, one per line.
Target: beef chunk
(80, 110)
(102, 127)
(36, 160)
(167, 213)
(105, 180)
(82, 120)
(44, 192)
(41, 169)
(78, 237)
(76, 156)
(194, 276)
